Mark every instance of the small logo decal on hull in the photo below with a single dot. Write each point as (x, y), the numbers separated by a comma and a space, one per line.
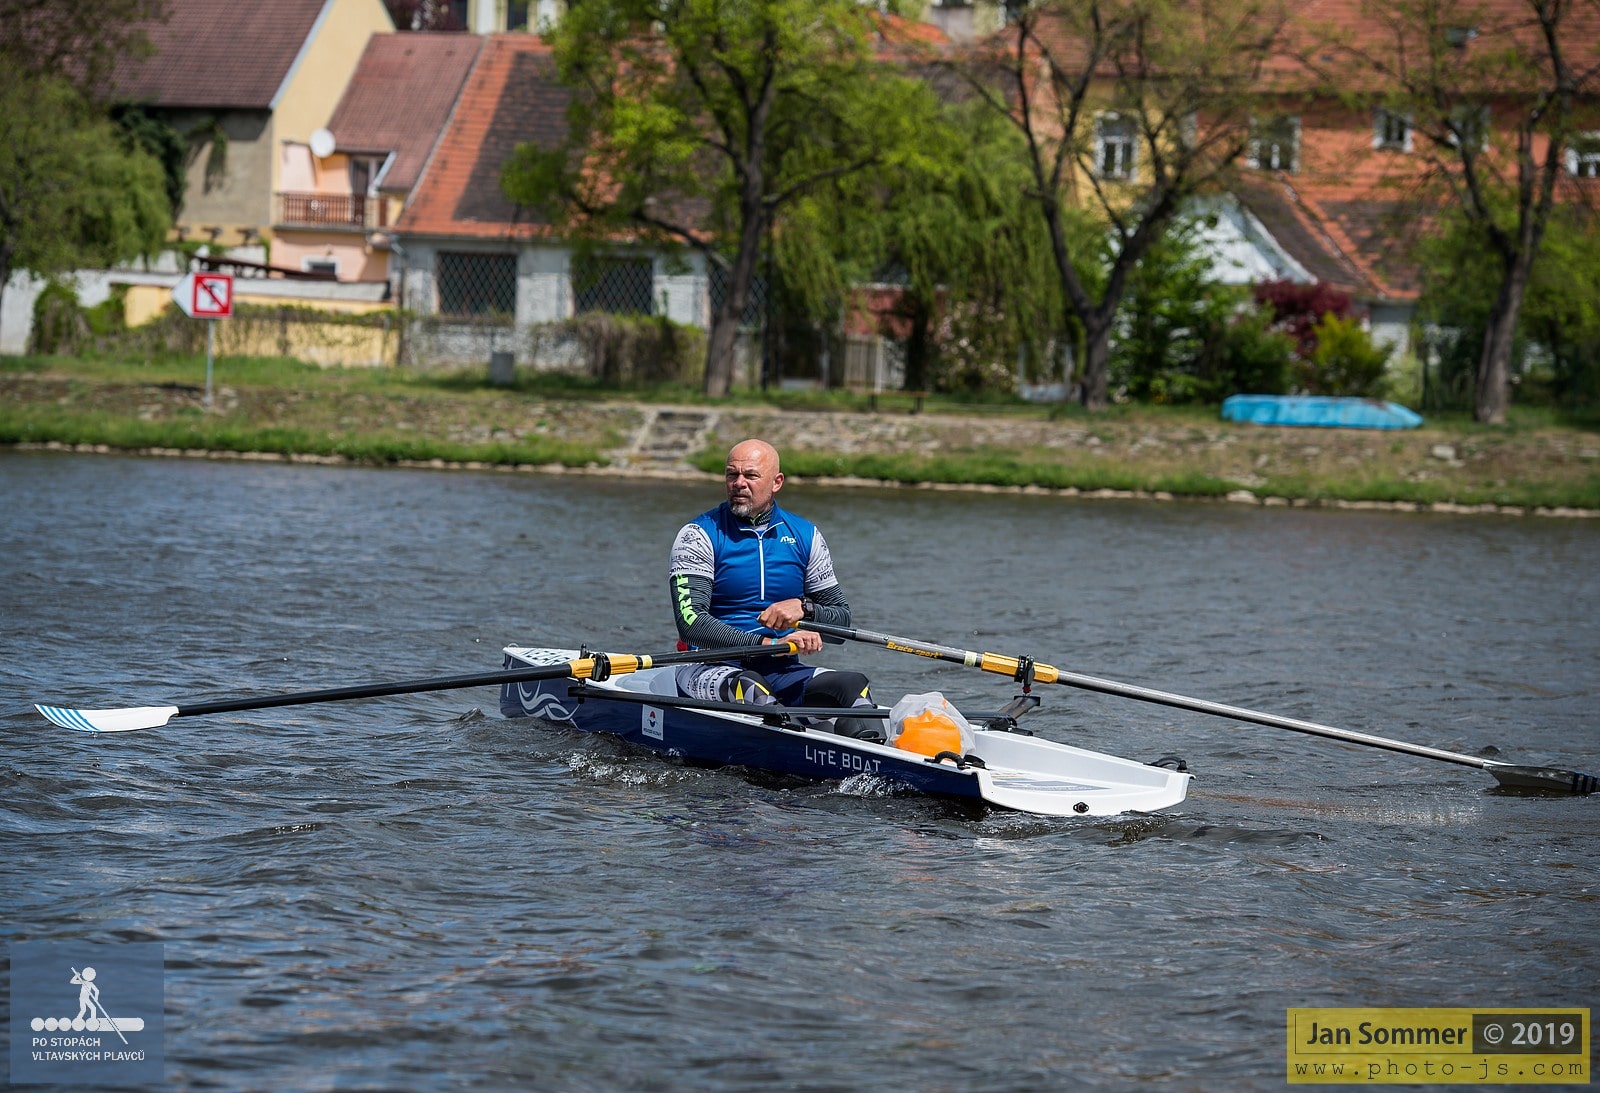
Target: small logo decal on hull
(537, 703)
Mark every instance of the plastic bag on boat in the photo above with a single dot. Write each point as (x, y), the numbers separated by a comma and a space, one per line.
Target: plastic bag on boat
(928, 724)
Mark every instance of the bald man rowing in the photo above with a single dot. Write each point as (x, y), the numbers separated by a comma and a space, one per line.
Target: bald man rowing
(745, 573)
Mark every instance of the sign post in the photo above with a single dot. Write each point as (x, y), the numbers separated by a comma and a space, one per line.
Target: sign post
(206, 296)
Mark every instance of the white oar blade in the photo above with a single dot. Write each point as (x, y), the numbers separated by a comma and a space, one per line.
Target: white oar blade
(135, 717)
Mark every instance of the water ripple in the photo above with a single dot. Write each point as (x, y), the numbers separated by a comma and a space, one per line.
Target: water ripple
(413, 893)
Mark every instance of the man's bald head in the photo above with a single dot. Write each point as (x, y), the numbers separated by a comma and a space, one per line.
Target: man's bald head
(752, 477)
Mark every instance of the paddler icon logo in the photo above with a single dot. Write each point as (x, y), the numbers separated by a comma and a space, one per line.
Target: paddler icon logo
(92, 1014)
(100, 1042)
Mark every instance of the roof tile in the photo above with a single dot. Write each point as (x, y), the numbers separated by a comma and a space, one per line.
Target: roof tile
(511, 97)
(400, 96)
(213, 55)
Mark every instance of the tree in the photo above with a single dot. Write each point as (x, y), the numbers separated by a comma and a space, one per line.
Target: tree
(1559, 324)
(73, 192)
(1184, 337)
(694, 122)
(77, 40)
(71, 189)
(1129, 108)
(949, 222)
(1297, 308)
(1496, 91)
(1334, 353)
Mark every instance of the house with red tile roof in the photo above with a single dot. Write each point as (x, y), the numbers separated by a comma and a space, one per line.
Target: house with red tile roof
(343, 190)
(1334, 184)
(242, 83)
(490, 270)
(1330, 188)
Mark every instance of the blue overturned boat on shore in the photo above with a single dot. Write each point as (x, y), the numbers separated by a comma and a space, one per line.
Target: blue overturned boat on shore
(1322, 411)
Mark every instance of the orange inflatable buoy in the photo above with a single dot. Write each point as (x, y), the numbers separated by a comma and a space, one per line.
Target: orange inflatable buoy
(929, 733)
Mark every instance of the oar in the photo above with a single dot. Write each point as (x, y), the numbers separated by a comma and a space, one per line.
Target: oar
(1510, 774)
(590, 666)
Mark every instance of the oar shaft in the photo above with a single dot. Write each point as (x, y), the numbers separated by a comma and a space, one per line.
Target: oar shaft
(1045, 673)
(577, 669)
(582, 668)
(1239, 713)
(589, 666)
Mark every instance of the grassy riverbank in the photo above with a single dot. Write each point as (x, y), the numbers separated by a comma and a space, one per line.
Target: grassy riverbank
(288, 409)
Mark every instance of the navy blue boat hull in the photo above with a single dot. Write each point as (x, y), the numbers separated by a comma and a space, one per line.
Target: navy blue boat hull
(730, 740)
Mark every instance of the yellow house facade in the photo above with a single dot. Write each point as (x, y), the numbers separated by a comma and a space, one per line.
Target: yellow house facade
(239, 83)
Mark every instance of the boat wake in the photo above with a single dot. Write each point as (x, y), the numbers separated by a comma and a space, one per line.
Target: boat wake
(872, 785)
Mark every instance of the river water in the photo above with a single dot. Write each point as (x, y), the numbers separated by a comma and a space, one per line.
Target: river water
(414, 893)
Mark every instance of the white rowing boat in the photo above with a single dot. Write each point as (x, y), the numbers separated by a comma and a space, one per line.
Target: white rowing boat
(1005, 767)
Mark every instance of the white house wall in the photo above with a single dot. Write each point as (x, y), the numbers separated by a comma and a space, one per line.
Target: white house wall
(1390, 325)
(1241, 250)
(684, 298)
(544, 285)
(16, 311)
(544, 295)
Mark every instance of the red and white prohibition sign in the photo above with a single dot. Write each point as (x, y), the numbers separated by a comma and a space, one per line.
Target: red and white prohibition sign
(205, 295)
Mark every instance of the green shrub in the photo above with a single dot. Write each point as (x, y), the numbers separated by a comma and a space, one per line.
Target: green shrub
(627, 351)
(1184, 338)
(59, 325)
(1345, 360)
(1250, 357)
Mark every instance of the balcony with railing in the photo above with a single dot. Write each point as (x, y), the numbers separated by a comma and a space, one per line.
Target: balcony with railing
(314, 210)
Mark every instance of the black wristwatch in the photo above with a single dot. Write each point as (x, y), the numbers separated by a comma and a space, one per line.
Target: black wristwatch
(808, 610)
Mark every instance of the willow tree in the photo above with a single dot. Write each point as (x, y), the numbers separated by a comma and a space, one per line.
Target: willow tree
(74, 192)
(1127, 110)
(692, 123)
(1500, 99)
(74, 189)
(951, 219)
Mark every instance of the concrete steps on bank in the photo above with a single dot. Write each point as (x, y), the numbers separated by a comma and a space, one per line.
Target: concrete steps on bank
(669, 437)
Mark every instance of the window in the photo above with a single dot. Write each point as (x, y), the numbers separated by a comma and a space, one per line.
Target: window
(1274, 144)
(1583, 156)
(1469, 124)
(476, 284)
(517, 15)
(1116, 147)
(363, 174)
(1392, 130)
(620, 286)
(328, 267)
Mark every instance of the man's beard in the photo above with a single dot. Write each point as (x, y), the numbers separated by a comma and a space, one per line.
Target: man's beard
(745, 509)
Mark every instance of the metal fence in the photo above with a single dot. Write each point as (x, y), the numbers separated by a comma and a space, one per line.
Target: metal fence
(473, 284)
(615, 285)
(755, 304)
